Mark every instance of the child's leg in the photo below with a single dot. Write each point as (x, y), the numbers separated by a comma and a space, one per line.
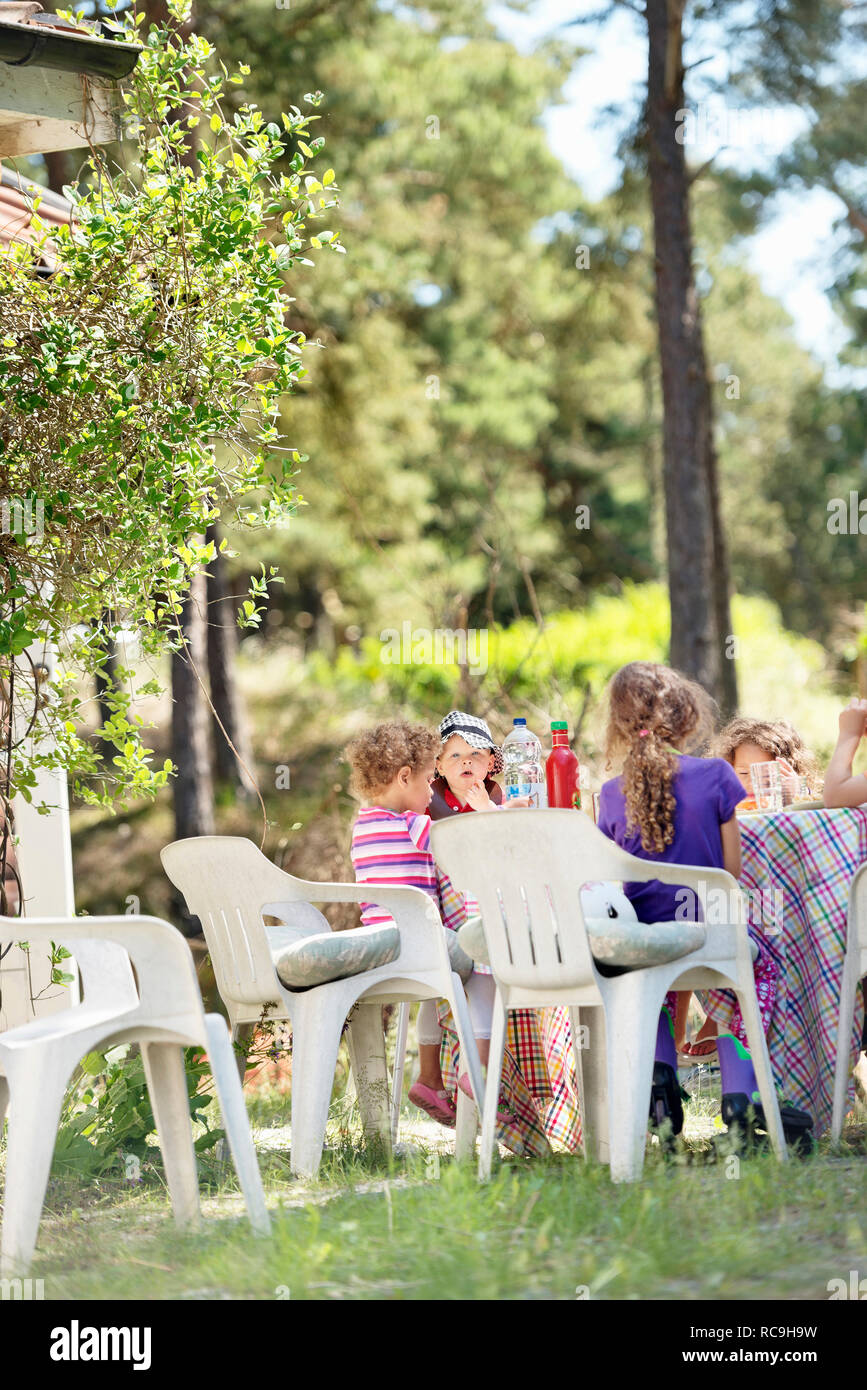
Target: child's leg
(429, 1035)
(680, 1016)
(737, 1076)
(665, 1099)
(480, 991)
(740, 1091)
(666, 1052)
(704, 1043)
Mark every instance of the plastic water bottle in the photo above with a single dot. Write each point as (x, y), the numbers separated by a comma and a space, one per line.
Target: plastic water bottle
(524, 774)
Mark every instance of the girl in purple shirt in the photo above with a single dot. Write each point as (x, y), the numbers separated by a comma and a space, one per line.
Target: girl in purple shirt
(668, 805)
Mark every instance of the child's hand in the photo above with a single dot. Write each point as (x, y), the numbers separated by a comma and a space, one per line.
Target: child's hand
(790, 778)
(478, 798)
(853, 719)
(516, 801)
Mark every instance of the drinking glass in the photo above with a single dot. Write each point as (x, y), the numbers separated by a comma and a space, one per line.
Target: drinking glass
(767, 780)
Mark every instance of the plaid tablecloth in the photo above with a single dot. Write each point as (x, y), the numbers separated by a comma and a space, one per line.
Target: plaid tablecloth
(538, 1084)
(797, 868)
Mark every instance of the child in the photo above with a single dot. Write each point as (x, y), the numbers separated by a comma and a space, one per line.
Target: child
(670, 806)
(842, 786)
(745, 741)
(467, 763)
(392, 769)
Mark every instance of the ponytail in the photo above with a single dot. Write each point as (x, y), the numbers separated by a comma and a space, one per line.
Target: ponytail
(651, 708)
(648, 774)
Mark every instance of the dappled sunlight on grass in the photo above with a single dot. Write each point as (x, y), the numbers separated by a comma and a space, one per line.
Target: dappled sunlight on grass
(421, 1226)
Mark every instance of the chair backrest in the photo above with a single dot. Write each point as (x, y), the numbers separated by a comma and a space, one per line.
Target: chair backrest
(227, 883)
(858, 914)
(107, 979)
(108, 949)
(526, 868)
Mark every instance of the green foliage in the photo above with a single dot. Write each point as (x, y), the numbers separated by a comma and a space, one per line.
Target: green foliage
(478, 386)
(561, 671)
(140, 383)
(108, 1119)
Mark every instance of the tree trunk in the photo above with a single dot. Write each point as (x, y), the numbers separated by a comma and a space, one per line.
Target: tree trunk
(105, 681)
(697, 565)
(721, 579)
(225, 695)
(192, 787)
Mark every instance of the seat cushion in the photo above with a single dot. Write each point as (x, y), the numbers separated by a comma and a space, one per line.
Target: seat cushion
(620, 940)
(459, 959)
(635, 944)
(333, 955)
(471, 939)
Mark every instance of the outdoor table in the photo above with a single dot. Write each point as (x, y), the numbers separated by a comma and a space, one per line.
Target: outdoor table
(797, 868)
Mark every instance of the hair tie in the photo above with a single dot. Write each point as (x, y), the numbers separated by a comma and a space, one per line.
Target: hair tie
(642, 733)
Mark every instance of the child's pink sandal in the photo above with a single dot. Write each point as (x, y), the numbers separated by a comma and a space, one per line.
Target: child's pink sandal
(433, 1103)
(504, 1117)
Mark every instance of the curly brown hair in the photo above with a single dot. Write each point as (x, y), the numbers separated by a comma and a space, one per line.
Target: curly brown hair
(377, 756)
(776, 737)
(653, 710)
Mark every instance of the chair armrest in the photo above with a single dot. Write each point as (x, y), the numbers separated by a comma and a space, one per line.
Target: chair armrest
(704, 882)
(422, 935)
(162, 959)
(381, 893)
(685, 875)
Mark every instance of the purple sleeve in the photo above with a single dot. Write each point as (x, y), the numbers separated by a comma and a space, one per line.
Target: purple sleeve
(607, 812)
(730, 791)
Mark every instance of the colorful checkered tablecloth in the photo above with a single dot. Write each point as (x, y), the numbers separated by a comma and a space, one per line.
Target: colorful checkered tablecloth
(797, 868)
(538, 1084)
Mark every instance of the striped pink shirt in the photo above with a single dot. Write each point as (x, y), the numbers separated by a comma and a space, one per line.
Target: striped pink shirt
(394, 847)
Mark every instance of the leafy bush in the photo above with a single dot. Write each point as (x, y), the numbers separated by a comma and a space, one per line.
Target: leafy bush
(140, 386)
(108, 1117)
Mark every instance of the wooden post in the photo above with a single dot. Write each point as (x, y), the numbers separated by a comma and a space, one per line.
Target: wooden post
(44, 853)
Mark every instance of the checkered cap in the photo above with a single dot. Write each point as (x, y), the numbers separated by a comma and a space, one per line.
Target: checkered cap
(474, 731)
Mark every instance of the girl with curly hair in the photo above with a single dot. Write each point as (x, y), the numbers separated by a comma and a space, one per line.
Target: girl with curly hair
(671, 806)
(745, 741)
(393, 767)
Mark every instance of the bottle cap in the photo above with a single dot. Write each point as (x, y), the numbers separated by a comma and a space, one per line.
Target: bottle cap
(519, 721)
(559, 724)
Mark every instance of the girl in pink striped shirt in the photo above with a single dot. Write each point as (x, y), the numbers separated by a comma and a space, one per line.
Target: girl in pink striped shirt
(392, 769)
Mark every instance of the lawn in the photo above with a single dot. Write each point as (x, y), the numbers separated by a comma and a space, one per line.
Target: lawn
(422, 1227)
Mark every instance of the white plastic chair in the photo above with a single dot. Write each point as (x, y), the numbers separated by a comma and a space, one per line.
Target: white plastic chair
(160, 1008)
(854, 968)
(229, 884)
(526, 869)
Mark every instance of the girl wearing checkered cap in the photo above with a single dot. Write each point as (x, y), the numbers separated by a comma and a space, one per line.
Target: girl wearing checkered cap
(467, 764)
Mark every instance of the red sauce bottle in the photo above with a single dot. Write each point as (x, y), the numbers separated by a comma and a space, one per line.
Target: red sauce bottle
(561, 769)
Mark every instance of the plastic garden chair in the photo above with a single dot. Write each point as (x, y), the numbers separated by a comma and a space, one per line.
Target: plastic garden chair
(229, 885)
(160, 1008)
(527, 869)
(854, 969)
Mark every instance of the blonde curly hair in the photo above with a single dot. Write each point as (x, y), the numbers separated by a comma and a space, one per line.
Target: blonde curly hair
(776, 737)
(377, 756)
(653, 710)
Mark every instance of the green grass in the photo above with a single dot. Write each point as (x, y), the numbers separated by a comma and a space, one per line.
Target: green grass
(422, 1227)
